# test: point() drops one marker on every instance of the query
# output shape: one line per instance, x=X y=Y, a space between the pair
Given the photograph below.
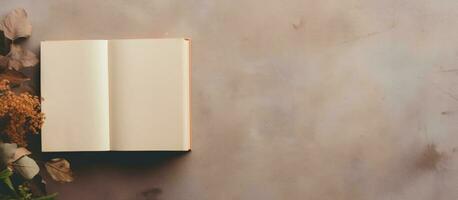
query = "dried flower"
x=19 y=114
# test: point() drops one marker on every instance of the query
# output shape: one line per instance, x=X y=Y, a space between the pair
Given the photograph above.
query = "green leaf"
x=6 y=173
x=47 y=197
x=5 y=177
x=24 y=192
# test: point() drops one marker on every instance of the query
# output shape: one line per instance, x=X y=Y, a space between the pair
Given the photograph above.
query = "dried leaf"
x=26 y=167
x=13 y=76
x=20 y=152
x=16 y=25
x=59 y=169
x=26 y=57
x=23 y=88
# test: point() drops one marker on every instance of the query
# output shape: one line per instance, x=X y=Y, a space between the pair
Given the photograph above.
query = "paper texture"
x=148 y=91
x=74 y=85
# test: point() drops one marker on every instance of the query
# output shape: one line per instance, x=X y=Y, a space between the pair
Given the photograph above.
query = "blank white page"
x=74 y=85
x=149 y=94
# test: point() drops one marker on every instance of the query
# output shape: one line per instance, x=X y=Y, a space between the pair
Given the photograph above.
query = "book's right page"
x=149 y=95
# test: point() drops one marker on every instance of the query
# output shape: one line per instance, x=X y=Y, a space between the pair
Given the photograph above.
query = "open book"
x=116 y=95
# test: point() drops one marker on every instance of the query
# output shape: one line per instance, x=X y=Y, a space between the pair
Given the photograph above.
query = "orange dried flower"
x=19 y=115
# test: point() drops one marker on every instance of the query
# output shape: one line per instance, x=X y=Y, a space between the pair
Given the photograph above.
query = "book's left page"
x=74 y=85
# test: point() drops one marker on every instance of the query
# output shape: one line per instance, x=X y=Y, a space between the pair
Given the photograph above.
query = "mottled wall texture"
x=299 y=99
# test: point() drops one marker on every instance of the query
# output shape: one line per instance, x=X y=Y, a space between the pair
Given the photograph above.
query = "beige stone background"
x=295 y=99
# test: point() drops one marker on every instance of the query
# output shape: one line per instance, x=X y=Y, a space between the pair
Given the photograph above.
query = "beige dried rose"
x=26 y=167
x=16 y=24
x=20 y=57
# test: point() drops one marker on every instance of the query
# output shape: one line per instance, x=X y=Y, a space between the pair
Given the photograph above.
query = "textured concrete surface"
x=295 y=99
